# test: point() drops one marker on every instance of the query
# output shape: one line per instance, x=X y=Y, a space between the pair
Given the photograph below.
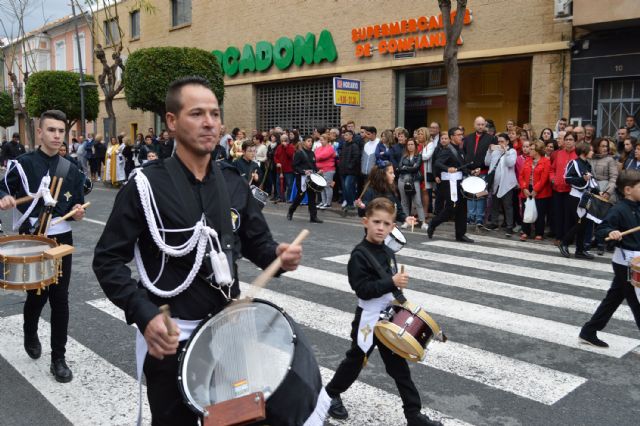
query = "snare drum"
x=30 y=261
x=250 y=347
x=259 y=195
x=634 y=272
x=474 y=187
x=395 y=240
x=316 y=182
x=407 y=329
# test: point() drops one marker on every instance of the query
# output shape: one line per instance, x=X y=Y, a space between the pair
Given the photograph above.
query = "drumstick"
x=627 y=232
x=402 y=269
x=42 y=217
x=166 y=316
x=261 y=280
x=412 y=225
x=366 y=186
x=50 y=214
x=24 y=199
x=68 y=215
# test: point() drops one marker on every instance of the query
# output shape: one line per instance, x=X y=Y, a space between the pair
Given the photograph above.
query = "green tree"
x=150 y=71
x=7 y=113
x=61 y=90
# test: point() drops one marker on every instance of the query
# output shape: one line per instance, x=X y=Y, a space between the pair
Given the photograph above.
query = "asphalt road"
x=511 y=310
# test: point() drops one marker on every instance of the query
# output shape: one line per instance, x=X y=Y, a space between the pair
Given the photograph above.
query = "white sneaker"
x=404 y=225
x=344 y=203
x=425 y=226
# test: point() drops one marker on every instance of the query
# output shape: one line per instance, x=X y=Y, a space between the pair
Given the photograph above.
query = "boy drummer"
x=374 y=294
x=622 y=216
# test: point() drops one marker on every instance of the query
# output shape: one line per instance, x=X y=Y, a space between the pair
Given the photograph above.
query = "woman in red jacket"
x=284 y=165
x=535 y=182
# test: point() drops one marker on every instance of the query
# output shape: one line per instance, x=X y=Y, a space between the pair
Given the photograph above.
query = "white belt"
x=370 y=314
x=58 y=228
x=186 y=329
x=453 y=187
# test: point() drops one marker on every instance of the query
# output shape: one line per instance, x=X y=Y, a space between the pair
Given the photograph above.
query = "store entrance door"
x=616 y=98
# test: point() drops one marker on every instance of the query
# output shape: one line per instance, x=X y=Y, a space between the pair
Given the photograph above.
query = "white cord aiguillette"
x=42 y=192
x=200 y=237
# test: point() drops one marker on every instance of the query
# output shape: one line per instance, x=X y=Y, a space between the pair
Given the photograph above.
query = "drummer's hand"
x=7 y=202
x=159 y=342
x=476 y=172
x=587 y=177
x=438 y=180
x=615 y=235
x=411 y=221
x=401 y=280
x=289 y=255
x=255 y=177
x=80 y=213
x=605 y=195
x=452 y=170
x=359 y=204
x=307 y=172
x=278 y=165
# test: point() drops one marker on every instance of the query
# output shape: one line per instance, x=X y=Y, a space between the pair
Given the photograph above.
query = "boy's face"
x=151 y=156
x=632 y=192
x=378 y=225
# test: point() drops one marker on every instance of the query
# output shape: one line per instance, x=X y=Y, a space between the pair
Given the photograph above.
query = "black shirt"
x=36 y=164
x=624 y=215
x=363 y=278
x=304 y=159
x=246 y=169
x=127 y=224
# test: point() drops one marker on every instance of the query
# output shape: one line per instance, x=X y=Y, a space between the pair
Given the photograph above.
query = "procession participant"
x=187 y=189
x=114 y=162
x=248 y=168
x=476 y=146
x=36 y=168
x=449 y=167
x=375 y=286
x=623 y=216
x=304 y=163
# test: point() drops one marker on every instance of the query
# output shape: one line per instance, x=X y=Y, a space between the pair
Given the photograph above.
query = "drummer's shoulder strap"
x=63 y=167
x=373 y=262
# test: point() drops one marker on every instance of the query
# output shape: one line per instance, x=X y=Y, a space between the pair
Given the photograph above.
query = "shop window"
x=616 y=99
x=135 y=24
x=302 y=104
x=496 y=90
x=180 y=12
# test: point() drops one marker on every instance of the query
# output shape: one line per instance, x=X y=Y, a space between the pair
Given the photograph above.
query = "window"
x=180 y=12
x=135 y=24
x=61 y=56
x=111 y=32
x=302 y=104
x=76 y=63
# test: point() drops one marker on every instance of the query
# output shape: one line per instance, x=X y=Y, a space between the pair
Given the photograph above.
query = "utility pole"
x=82 y=123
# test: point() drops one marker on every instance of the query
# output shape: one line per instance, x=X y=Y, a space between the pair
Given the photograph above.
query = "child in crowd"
x=374 y=295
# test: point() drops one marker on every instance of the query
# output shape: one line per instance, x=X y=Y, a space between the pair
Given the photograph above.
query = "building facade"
x=280 y=60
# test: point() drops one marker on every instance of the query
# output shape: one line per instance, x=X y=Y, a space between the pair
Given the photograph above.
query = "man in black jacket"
x=12 y=149
x=349 y=168
x=304 y=163
x=476 y=145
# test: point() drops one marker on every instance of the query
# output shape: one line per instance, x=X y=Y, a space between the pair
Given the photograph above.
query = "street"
x=512 y=311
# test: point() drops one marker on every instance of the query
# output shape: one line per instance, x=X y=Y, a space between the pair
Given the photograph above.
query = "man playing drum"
x=188 y=198
x=30 y=169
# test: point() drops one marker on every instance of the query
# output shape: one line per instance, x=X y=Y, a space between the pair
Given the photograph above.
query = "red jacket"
x=285 y=157
x=541 y=181
x=558 y=166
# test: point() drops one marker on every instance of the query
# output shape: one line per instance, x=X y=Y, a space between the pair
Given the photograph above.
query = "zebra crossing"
x=481 y=294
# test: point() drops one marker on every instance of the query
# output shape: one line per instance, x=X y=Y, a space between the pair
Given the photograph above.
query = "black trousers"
x=396 y=366
x=579 y=225
x=459 y=209
x=564 y=216
x=165 y=400
x=313 y=210
x=58 y=297
x=620 y=290
x=542 y=206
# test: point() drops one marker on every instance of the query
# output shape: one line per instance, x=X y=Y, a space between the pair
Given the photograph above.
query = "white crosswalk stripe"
x=522 y=245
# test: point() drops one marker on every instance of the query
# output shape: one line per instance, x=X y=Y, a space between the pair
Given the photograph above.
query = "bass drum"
x=474 y=187
x=251 y=347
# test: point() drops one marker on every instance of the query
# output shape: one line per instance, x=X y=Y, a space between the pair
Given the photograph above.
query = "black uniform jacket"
x=624 y=215
x=36 y=164
x=127 y=224
x=363 y=278
x=304 y=160
x=477 y=155
x=446 y=157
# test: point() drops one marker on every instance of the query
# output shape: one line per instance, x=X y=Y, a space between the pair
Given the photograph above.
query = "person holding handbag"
x=535 y=183
x=501 y=181
x=409 y=182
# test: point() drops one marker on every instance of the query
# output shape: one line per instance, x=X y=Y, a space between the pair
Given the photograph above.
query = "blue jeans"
x=476 y=209
x=349 y=189
x=288 y=182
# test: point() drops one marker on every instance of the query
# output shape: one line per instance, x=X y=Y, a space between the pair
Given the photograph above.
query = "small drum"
x=251 y=347
x=474 y=187
x=316 y=182
x=634 y=272
x=30 y=262
x=395 y=240
x=597 y=207
x=407 y=329
x=259 y=194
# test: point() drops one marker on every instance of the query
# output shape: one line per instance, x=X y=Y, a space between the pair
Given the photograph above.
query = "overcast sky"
x=39 y=13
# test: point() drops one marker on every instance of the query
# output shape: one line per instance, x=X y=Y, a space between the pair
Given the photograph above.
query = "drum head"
x=317 y=179
x=408 y=348
x=473 y=185
x=23 y=247
x=399 y=236
x=246 y=348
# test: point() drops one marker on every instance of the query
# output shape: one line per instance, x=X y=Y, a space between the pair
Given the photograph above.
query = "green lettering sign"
x=284 y=52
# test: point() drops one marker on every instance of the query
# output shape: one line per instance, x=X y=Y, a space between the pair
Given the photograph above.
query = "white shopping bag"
x=530 y=211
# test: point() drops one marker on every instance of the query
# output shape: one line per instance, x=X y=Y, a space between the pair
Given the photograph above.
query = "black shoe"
x=430 y=231
x=508 y=232
x=289 y=216
x=564 y=250
x=592 y=339
x=490 y=227
x=464 y=239
x=315 y=220
x=337 y=410
x=420 y=419
x=32 y=346
x=584 y=255
x=60 y=370
x=600 y=251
